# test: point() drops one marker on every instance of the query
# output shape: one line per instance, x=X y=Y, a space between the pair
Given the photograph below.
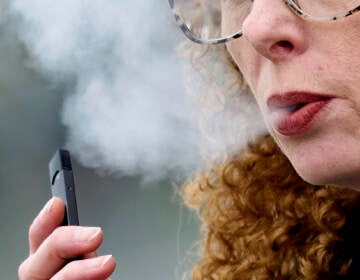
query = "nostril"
x=285 y=44
x=282 y=47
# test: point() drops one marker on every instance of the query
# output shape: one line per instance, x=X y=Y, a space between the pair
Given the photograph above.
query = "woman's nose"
x=274 y=30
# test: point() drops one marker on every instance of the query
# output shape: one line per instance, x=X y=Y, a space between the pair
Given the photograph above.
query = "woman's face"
x=305 y=76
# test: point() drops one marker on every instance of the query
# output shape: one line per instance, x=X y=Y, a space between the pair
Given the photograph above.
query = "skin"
x=51 y=247
x=281 y=52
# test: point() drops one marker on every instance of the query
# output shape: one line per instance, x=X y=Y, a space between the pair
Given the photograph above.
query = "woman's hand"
x=51 y=248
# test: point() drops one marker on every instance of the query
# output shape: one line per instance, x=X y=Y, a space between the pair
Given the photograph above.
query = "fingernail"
x=86 y=234
x=47 y=207
x=105 y=260
x=99 y=261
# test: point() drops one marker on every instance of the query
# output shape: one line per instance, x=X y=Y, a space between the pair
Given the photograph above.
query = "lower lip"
x=302 y=119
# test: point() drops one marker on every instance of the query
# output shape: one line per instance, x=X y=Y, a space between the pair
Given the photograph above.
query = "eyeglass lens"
x=214 y=19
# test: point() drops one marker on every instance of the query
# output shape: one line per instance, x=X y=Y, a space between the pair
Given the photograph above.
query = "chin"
x=322 y=161
x=312 y=177
x=330 y=176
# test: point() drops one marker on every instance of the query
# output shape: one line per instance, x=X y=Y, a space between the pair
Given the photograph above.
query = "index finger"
x=49 y=218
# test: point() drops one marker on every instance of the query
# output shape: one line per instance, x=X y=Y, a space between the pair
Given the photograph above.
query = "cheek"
x=340 y=48
x=248 y=63
x=246 y=60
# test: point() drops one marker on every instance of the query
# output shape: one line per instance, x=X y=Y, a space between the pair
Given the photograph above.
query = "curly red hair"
x=260 y=220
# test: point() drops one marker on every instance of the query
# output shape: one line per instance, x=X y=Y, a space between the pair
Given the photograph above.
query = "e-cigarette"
x=62 y=185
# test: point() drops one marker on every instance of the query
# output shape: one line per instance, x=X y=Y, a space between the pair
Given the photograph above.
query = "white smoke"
x=127 y=113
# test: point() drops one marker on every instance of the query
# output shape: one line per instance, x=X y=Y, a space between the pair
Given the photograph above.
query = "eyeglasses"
x=219 y=21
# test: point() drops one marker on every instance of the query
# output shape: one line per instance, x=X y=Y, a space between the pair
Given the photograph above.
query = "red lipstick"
x=296 y=111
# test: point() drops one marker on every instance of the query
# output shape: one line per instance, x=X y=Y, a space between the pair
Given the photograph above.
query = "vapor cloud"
x=126 y=112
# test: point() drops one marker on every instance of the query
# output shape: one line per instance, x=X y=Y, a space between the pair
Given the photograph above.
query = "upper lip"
x=292 y=98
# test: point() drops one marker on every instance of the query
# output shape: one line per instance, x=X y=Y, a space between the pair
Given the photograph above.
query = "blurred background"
x=146 y=227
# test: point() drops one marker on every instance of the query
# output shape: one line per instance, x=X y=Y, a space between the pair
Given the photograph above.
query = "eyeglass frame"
x=290 y=3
